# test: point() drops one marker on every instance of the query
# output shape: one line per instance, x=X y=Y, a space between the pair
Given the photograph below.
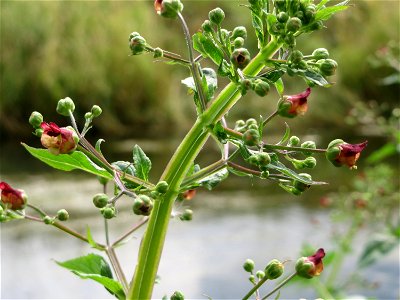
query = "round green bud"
x=238 y=42
x=96 y=110
x=251 y=121
x=62 y=215
x=301 y=186
x=261 y=87
x=248 y=265
x=132 y=35
x=264 y=174
x=161 y=187
x=327 y=66
x=252 y=279
x=282 y=17
x=88 y=115
x=64 y=106
x=168 y=8
x=216 y=16
x=320 y=53
x=294 y=141
x=310 y=162
x=296 y=57
x=290 y=41
x=253 y=126
x=299 y=15
x=253 y=160
x=177 y=295
x=309 y=13
x=108 y=212
x=138 y=45
x=260 y=274
x=293 y=24
x=38 y=132
x=240 y=58
x=245 y=85
x=251 y=137
x=239 y=31
x=303 y=65
x=35 y=119
x=316 y=26
x=308 y=145
x=158 y=53
x=100 y=200
x=48 y=220
x=187 y=215
x=207 y=27
x=264 y=159
x=142 y=205
x=274 y=269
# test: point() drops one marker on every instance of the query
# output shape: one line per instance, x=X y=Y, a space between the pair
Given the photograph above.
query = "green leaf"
x=142 y=163
x=377 y=248
x=315 y=77
x=219 y=132
x=280 y=88
x=273 y=75
x=278 y=166
x=206 y=47
x=239 y=173
x=285 y=136
x=95 y=267
x=214 y=179
x=257 y=24
x=210 y=82
x=91 y=240
x=327 y=12
x=68 y=162
x=383 y=152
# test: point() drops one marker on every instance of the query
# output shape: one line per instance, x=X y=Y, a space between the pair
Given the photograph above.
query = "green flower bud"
x=301 y=186
x=274 y=269
x=253 y=126
x=96 y=110
x=293 y=24
x=142 y=205
x=88 y=115
x=48 y=220
x=168 y=8
x=261 y=87
x=207 y=27
x=239 y=31
x=161 y=187
x=296 y=57
x=309 y=13
x=308 y=145
x=132 y=35
x=240 y=126
x=290 y=41
x=238 y=42
x=264 y=174
x=260 y=274
x=187 y=215
x=294 y=141
x=64 y=106
x=251 y=121
x=310 y=162
x=100 y=200
x=35 y=119
x=62 y=215
x=299 y=15
x=327 y=66
x=138 y=45
x=253 y=160
x=177 y=295
x=282 y=17
x=245 y=85
x=102 y=180
x=38 y=132
x=252 y=279
x=108 y=212
x=320 y=53
x=264 y=158
x=216 y=16
x=280 y=5
x=248 y=265
x=240 y=58
x=251 y=137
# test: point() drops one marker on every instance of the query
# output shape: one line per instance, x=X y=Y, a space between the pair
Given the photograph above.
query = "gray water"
x=201 y=257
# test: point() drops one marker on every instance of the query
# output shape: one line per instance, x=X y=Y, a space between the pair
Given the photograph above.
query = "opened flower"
x=14 y=199
x=58 y=140
x=291 y=106
x=340 y=153
x=310 y=266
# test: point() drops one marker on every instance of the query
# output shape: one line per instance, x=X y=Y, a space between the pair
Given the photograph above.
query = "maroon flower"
x=12 y=198
x=310 y=266
x=291 y=106
x=58 y=140
x=158 y=6
x=340 y=153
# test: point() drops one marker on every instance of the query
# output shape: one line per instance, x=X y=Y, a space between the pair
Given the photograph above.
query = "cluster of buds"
x=137 y=43
x=261 y=160
x=107 y=209
x=340 y=153
x=250 y=130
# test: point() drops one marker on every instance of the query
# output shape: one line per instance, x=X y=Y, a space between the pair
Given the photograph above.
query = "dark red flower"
x=341 y=153
x=294 y=105
x=58 y=140
x=14 y=199
x=310 y=266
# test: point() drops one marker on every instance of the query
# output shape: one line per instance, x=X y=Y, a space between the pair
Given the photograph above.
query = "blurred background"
x=54 y=49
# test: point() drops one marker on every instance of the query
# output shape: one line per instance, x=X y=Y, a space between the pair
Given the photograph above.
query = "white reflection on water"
x=200 y=257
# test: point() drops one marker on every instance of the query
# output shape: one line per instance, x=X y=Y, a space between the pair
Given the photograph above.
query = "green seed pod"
x=207 y=27
x=96 y=110
x=64 y=106
x=132 y=35
x=248 y=265
x=310 y=162
x=294 y=141
x=187 y=215
x=251 y=137
x=238 y=42
x=261 y=87
x=301 y=186
x=108 y=212
x=327 y=66
x=239 y=31
x=260 y=274
x=282 y=17
x=161 y=187
x=177 y=295
x=216 y=16
x=100 y=200
x=293 y=24
x=264 y=159
x=240 y=58
x=274 y=269
x=62 y=215
x=245 y=85
x=48 y=220
x=35 y=119
x=138 y=45
x=158 y=53
x=296 y=57
x=320 y=53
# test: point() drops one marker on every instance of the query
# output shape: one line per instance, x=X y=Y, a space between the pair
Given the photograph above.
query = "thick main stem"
x=154 y=237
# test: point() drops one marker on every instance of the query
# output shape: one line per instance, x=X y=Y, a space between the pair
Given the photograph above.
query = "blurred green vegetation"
x=54 y=49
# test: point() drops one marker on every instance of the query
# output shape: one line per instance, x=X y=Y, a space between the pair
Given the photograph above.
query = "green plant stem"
x=270 y=117
x=255 y=288
x=322 y=289
x=117 y=268
x=279 y=286
x=154 y=236
x=296 y=149
x=172 y=56
x=206 y=171
x=133 y=229
x=244 y=169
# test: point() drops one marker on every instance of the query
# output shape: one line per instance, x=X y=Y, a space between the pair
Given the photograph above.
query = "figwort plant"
x=244 y=149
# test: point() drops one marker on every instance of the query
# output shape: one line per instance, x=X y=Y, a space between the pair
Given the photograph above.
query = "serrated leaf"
x=326 y=13
x=142 y=163
x=206 y=47
x=68 y=162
